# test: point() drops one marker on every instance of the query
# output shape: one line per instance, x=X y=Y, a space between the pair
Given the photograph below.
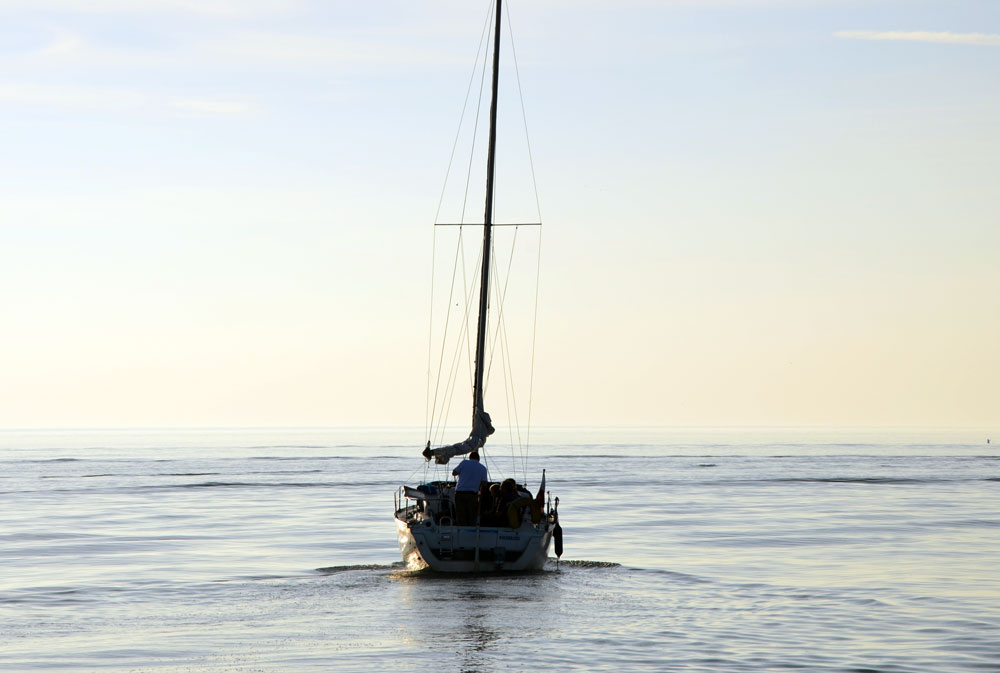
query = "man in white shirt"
x=470 y=473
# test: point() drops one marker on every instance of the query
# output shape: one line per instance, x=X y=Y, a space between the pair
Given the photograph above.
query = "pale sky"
x=757 y=212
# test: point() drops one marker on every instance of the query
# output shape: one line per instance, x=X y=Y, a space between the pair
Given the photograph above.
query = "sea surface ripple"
x=686 y=550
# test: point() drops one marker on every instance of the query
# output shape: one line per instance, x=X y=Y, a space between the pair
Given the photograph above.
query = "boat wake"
x=588 y=565
x=333 y=570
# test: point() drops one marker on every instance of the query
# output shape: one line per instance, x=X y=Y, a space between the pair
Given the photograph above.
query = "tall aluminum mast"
x=484 y=284
x=482 y=425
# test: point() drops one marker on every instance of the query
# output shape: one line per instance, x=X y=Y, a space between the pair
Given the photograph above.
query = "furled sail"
x=482 y=427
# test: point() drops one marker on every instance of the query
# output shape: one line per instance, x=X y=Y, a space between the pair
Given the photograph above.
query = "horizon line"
x=611 y=426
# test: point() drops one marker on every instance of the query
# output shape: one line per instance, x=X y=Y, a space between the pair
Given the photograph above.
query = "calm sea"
x=686 y=550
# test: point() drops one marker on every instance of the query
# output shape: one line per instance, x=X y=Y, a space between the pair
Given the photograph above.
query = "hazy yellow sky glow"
x=756 y=213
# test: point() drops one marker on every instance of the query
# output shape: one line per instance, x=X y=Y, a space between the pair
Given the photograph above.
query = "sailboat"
x=517 y=535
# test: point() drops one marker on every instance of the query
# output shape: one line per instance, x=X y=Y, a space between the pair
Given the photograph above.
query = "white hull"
x=470 y=549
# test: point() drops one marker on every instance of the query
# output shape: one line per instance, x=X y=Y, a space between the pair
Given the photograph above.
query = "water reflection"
x=472 y=619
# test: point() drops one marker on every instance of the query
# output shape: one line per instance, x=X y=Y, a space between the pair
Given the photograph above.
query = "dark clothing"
x=486 y=503
x=466 y=506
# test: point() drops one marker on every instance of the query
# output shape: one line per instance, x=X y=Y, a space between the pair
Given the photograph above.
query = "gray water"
x=686 y=550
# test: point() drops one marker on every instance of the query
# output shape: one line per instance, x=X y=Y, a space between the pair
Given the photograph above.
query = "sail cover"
x=482 y=427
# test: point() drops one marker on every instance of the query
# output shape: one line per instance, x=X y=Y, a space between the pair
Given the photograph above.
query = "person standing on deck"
x=471 y=473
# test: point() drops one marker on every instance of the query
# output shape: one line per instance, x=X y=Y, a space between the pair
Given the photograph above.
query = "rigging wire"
x=475 y=127
x=534 y=339
x=430 y=341
x=437 y=417
x=450 y=385
x=453 y=370
x=451 y=294
x=538 y=210
x=524 y=115
x=505 y=349
x=465 y=198
x=465 y=105
x=501 y=341
x=507 y=365
x=429 y=417
x=501 y=299
x=470 y=287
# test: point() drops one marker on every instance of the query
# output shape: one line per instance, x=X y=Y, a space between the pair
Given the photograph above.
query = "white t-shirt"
x=471 y=473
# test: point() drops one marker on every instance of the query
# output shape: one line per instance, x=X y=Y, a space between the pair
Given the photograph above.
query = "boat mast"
x=484 y=285
x=482 y=425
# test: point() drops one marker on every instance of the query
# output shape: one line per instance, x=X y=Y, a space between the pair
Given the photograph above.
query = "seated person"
x=509 y=506
x=486 y=504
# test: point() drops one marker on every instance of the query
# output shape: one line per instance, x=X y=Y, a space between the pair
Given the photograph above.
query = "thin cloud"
x=48 y=95
x=227 y=8
x=307 y=51
x=116 y=100
x=211 y=108
x=977 y=39
x=234 y=50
